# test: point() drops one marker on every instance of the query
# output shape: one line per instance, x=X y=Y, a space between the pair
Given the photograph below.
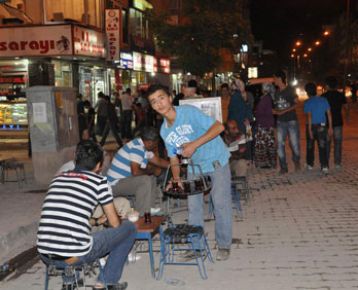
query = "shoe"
x=191 y=255
x=325 y=170
x=309 y=167
x=119 y=286
x=338 y=166
x=283 y=171
x=223 y=254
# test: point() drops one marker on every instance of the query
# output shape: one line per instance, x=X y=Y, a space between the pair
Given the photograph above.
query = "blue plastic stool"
x=173 y=241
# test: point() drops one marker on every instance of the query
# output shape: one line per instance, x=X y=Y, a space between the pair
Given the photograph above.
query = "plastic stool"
x=241 y=184
x=68 y=271
x=183 y=237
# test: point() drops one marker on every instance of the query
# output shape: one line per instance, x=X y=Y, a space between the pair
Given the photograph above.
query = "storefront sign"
x=12 y=80
x=149 y=63
x=88 y=42
x=36 y=41
x=137 y=61
x=113 y=25
x=164 y=65
x=126 y=60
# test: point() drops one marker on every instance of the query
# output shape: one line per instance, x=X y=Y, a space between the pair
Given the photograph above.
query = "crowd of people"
x=252 y=132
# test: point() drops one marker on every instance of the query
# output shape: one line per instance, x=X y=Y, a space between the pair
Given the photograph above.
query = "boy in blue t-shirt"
x=197 y=136
x=316 y=109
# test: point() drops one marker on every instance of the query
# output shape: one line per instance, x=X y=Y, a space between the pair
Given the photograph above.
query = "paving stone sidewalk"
x=299 y=232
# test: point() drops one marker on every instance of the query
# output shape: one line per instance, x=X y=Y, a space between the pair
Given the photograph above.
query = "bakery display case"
x=13 y=115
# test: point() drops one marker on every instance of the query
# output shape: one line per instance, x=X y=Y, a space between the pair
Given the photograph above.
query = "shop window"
x=63 y=74
x=139 y=25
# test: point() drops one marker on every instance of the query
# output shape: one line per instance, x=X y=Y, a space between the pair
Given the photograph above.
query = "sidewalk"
x=299 y=232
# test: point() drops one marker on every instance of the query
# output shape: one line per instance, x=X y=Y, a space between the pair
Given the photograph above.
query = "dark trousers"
x=113 y=127
x=320 y=135
x=127 y=123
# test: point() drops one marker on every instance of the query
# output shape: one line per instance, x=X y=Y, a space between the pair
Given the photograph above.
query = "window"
x=88 y=12
x=125 y=25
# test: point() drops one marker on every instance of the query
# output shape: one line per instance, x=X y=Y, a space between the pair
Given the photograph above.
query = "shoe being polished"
x=223 y=254
x=191 y=255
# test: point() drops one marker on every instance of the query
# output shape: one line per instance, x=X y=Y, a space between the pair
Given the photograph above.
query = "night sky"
x=280 y=22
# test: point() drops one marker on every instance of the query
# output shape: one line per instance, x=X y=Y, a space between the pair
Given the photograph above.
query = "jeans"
x=116 y=242
x=292 y=129
x=337 y=141
x=320 y=135
x=221 y=197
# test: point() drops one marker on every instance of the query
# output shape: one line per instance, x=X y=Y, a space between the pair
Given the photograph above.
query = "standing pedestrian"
x=285 y=103
x=265 y=144
x=316 y=108
x=197 y=134
x=336 y=101
x=127 y=106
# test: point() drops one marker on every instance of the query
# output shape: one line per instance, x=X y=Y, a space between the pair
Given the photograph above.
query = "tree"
x=206 y=27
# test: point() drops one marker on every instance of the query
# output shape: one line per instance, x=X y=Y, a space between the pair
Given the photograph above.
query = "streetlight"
x=298 y=43
x=309 y=49
x=326 y=33
x=317 y=43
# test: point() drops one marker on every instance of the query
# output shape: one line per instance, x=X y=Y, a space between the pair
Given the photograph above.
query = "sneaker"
x=325 y=170
x=309 y=167
x=338 y=166
x=223 y=254
x=191 y=255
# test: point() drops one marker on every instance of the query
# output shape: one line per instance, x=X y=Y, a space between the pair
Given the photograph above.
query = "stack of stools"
x=184 y=238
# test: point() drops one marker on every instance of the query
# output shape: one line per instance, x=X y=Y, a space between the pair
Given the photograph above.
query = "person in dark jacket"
x=112 y=124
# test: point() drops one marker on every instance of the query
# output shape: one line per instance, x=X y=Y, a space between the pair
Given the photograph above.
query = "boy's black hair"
x=311 y=89
x=157 y=87
x=88 y=155
x=192 y=84
x=150 y=134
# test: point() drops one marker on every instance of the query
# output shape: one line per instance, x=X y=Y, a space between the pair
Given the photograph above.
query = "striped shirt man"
x=133 y=151
x=64 y=228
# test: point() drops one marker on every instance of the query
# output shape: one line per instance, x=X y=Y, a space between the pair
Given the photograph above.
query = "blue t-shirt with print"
x=191 y=123
x=318 y=107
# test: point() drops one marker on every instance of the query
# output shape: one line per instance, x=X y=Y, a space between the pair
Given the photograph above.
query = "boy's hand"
x=310 y=133
x=188 y=149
